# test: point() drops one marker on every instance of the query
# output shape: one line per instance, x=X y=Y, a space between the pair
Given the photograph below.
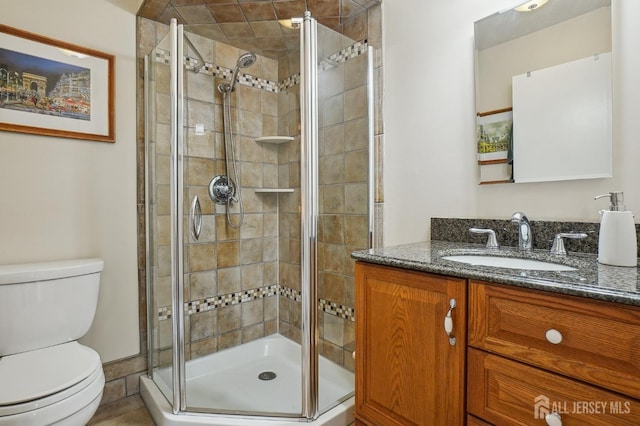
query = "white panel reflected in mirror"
x=563 y=116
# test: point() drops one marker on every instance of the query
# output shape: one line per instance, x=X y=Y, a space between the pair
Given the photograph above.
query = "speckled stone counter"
x=590 y=279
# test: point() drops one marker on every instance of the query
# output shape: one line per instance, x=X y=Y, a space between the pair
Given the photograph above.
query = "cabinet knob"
x=448 y=322
x=553 y=419
x=553 y=336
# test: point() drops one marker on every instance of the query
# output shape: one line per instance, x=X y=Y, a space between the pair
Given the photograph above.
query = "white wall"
x=429 y=115
x=63 y=198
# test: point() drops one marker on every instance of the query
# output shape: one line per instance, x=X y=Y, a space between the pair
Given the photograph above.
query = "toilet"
x=46 y=376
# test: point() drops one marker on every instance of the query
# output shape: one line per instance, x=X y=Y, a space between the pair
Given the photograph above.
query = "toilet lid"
x=36 y=374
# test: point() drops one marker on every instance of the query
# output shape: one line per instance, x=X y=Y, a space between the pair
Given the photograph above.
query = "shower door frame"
x=309 y=213
x=309 y=221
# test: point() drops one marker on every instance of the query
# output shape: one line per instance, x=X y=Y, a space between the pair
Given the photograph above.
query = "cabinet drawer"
x=600 y=341
x=505 y=392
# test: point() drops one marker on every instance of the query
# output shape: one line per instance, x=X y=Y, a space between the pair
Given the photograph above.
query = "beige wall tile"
x=228 y=280
x=252 y=276
x=202 y=257
x=355 y=103
x=228 y=254
x=203 y=325
x=356 y=164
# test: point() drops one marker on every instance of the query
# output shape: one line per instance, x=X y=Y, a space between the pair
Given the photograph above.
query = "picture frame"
x=53 y=88
x=494 y=135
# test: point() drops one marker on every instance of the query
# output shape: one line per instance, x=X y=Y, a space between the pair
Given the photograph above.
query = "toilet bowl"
x=46 y=377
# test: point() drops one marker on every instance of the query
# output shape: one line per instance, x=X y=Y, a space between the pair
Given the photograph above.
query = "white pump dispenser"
x=617 y=244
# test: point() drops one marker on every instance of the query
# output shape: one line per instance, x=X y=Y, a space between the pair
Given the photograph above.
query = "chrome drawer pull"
x=553 y=336
x=553 y=419
x=448 y=322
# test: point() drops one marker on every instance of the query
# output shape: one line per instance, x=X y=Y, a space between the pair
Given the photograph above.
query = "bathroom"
x=89 y=204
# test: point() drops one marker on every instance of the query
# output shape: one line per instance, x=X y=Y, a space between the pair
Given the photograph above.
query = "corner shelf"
x=273 y=190
x=274 y=139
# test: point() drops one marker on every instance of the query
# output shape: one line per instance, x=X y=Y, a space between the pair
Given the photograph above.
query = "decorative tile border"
x=210 y=303
x=356 y=49
x=337 y=310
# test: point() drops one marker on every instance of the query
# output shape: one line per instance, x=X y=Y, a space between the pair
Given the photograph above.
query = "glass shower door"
x=158 y=215
x=344 y=70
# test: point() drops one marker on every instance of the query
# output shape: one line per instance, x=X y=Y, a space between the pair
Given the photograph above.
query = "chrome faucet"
x=525 y=238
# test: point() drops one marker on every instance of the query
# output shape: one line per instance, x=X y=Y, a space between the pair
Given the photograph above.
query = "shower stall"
x=259 y=185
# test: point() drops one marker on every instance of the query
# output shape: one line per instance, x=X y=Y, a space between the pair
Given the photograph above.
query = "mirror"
x=543 y=92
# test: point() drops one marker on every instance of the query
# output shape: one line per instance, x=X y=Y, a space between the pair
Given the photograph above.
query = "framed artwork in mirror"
x=53 y=88
x=494 y=139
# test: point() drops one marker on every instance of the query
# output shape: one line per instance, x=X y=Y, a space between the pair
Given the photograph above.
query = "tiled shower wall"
x=343 y=194
x=230 y=273
x=122 y=375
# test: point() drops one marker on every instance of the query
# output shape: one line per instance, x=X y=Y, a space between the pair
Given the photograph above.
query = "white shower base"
x=228 y=380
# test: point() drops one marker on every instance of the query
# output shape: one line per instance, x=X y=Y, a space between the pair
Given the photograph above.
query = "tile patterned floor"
x=129 y=411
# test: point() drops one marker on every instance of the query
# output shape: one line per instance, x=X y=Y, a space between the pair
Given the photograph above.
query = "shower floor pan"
x=262 y=376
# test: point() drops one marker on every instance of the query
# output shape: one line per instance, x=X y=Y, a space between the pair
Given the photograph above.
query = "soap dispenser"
x=617 y=243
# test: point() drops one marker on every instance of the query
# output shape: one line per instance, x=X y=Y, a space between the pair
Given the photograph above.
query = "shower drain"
x=267 y=375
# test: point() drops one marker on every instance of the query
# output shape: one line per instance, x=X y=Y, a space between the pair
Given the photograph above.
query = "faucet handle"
x=492 y=241
x=558 y=242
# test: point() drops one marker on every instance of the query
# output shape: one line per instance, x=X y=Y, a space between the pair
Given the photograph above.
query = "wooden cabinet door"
x=407 y=372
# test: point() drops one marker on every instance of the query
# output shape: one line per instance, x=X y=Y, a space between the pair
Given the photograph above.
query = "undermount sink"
x=509 y=262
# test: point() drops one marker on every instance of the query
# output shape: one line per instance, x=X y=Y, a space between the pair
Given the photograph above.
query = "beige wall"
x=430 y=168
x=581 y=37
x=63 y=198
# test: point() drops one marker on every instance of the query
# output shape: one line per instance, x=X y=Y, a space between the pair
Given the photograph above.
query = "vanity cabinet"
x=408 y=370
x=521 y=356
x=532 y=353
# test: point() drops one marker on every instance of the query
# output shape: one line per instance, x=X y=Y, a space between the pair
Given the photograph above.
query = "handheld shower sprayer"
x=244 y=61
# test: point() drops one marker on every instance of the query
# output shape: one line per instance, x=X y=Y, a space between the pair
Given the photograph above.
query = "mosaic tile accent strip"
x=164 y=313
x=210 y=303
x=337 y=310
x=163 y=56
x=290 y=293
x=334 y=60
x=356 y=49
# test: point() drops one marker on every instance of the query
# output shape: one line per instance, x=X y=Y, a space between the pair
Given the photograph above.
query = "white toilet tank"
x=45 y=304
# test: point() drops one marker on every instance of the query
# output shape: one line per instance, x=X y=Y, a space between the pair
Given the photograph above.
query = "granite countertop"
x=590 y=279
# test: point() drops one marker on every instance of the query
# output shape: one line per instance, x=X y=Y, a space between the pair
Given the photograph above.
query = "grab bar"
x=196 y=218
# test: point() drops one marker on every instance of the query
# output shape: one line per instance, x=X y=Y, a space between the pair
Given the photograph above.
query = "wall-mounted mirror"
x=543 y=92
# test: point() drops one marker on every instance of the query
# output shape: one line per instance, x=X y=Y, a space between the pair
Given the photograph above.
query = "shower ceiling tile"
x=227 y=12
x=168 y=14
x=258 y=11
x=324 y=8
x=195 y=14
x=273 y=43
x=266 y=29
x=289 y=9
x=186 y=2
x=350 y=8
x=152 y=9
x=209 y=31
x=234 y=30
x=333 y=23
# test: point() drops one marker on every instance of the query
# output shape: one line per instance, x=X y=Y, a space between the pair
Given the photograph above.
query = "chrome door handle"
x=196 y=218
x=448 y=322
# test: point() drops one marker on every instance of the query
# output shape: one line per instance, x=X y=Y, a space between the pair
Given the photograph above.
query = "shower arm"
x=200 y=58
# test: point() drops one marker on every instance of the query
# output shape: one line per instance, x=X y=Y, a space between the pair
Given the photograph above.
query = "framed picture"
x=494 y=135
x=49 y=87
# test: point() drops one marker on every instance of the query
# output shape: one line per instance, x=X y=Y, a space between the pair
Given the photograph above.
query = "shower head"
x=245 y=60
